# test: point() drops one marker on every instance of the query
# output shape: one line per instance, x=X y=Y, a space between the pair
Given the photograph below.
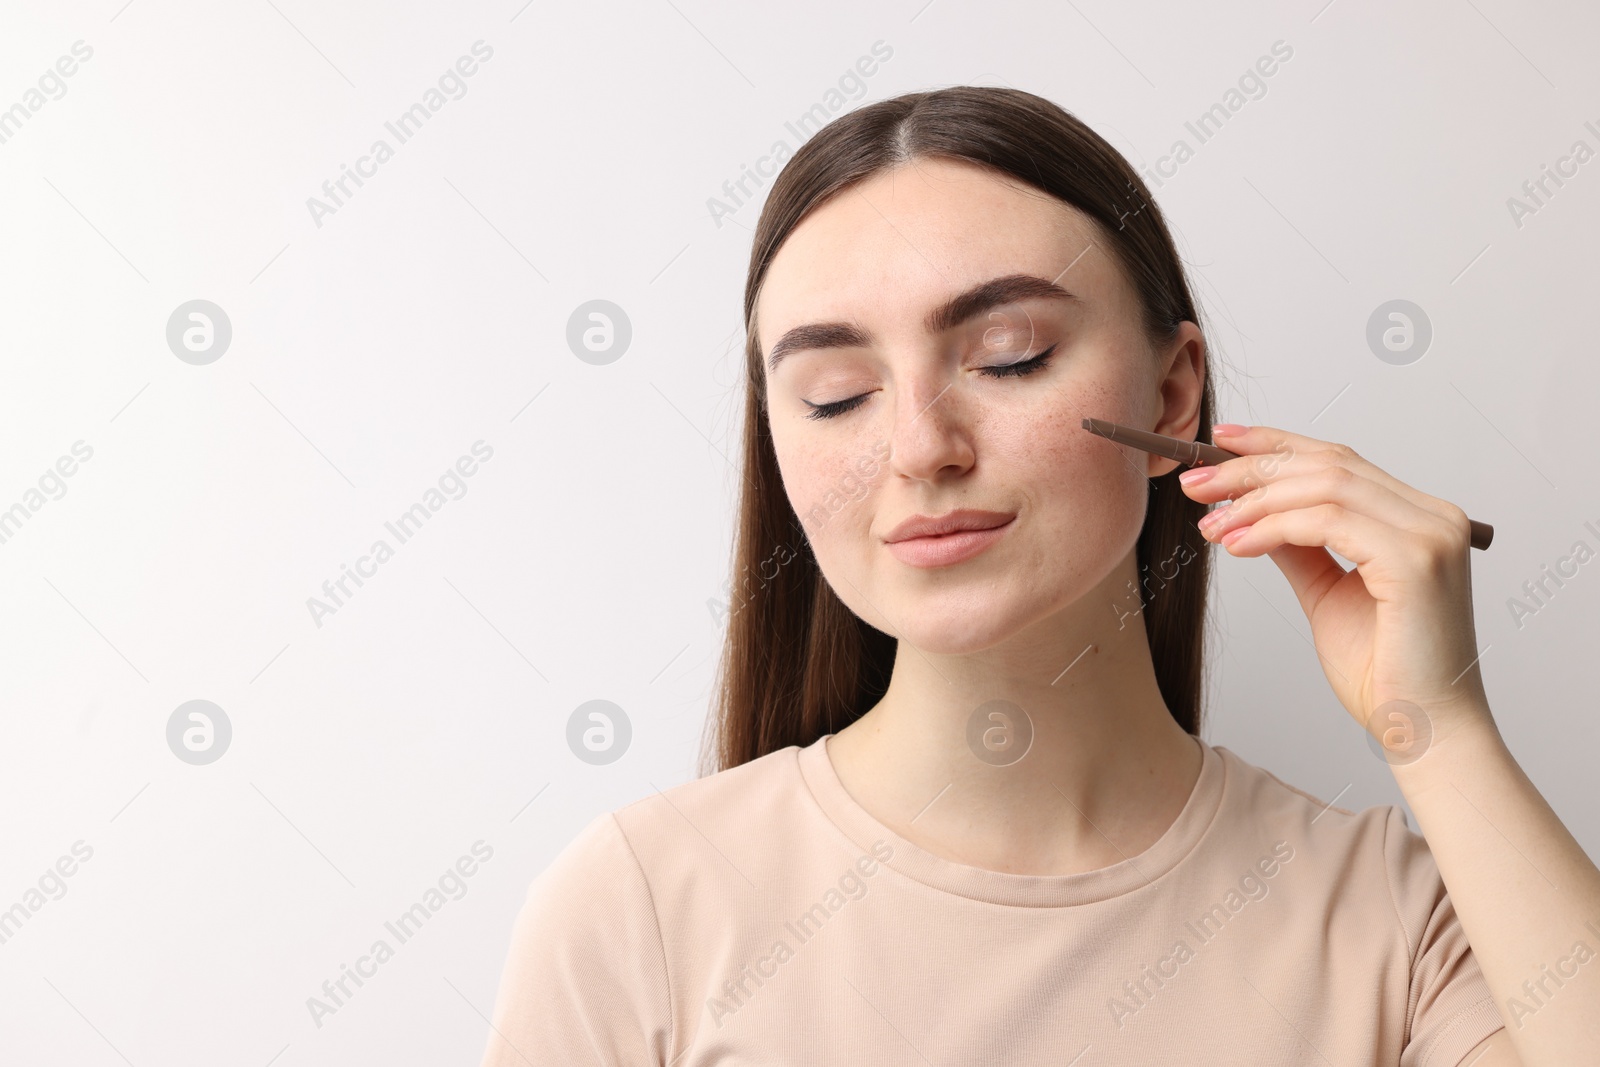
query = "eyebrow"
x=952 y=313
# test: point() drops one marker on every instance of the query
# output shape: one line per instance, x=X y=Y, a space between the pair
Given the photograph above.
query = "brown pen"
x=1198 y=454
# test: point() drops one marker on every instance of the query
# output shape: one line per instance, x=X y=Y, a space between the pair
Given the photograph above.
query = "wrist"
x=1465 y=742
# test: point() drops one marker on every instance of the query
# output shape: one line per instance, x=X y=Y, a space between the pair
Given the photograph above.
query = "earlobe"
x=1160 y=467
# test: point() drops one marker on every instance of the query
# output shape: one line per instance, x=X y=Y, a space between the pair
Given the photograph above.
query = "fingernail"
x=1227 y=429
x=1196 y=475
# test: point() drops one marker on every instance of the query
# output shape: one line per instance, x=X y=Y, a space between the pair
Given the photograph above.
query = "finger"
x=1267 y=452
x=1359 y=538
x=1328 y=484
x=1311 y=571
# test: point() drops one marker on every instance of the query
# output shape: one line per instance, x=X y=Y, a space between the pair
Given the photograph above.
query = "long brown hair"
x=798 y=664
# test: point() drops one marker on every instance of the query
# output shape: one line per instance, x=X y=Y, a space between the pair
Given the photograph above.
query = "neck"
x=945 y=759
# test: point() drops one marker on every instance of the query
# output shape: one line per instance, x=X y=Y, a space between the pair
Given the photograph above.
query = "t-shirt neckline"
x=1020 y=890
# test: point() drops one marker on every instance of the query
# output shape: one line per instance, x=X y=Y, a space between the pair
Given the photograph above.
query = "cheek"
x=1088 y=494
x=828 y=485
x=1055 y=444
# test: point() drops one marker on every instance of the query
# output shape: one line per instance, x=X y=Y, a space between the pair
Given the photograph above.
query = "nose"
x=932 y=439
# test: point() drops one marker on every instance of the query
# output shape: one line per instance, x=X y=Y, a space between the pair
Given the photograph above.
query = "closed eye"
x=1019 y=369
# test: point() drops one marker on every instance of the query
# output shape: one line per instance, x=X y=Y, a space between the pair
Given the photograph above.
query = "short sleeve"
x=1451 y=1008
x=585 y=980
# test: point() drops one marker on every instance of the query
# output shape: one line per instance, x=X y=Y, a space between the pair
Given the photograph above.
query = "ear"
x=1182 y=370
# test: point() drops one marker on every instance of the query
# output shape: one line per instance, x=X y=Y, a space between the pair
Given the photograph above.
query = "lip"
x=940 y=541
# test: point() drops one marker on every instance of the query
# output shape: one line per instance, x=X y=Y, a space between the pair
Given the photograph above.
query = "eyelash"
x=1020 y=369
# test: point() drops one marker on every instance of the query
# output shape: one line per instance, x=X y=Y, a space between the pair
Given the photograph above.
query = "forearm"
x=1527 y=896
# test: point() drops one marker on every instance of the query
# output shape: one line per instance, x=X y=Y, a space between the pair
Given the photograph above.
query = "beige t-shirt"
x=760 y=915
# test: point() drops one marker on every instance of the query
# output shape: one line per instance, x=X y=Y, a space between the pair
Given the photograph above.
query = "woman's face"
x=934 y=431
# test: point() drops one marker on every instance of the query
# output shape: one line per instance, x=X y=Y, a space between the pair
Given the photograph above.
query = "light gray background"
x=430 y=311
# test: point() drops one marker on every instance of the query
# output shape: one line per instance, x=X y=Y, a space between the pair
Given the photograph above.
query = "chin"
x=954 y=637
x=955 y=622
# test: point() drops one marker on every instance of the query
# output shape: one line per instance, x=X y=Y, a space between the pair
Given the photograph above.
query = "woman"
x=962 y=813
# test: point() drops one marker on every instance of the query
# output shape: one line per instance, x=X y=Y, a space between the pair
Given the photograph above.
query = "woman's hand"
x=1399 y=628
x=1396 y=628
